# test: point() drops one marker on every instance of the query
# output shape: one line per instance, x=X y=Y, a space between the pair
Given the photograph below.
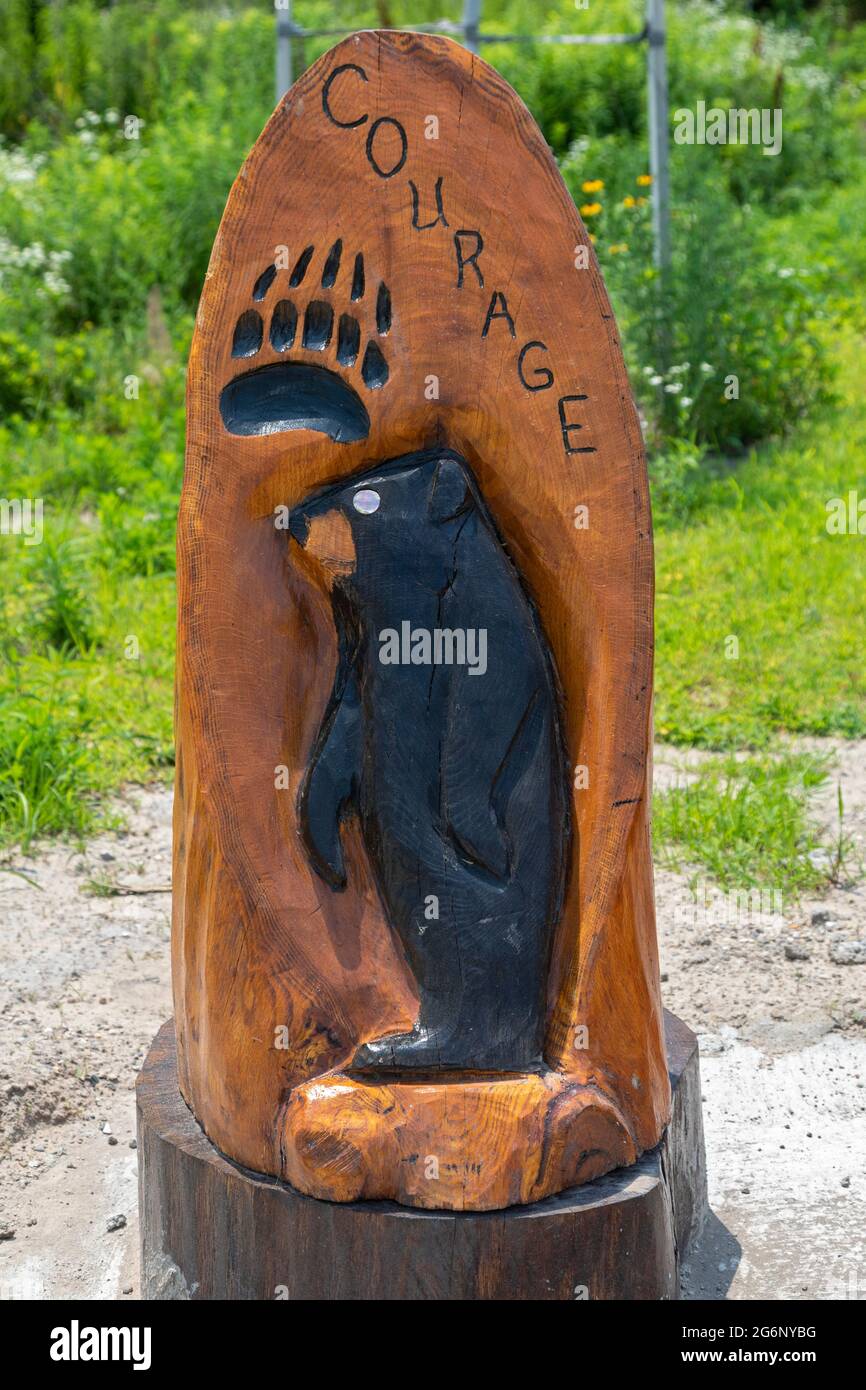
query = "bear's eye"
x=366 y=501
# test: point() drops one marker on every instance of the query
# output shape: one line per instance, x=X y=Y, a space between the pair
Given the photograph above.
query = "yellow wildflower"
x=618 y=249
x=641 y=202
x=629 y=202
x=644 y=180
x=593 y=185
x=590 y=210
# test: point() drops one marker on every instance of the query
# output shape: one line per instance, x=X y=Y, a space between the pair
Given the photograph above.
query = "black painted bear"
x=442 y=734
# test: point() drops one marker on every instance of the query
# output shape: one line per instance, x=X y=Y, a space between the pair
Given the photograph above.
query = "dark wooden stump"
x=211 y=1229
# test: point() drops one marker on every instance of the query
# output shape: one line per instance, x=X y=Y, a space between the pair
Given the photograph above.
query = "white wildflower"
x=55 y=284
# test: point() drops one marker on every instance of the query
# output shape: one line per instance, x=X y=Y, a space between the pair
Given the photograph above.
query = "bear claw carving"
x=296 y=394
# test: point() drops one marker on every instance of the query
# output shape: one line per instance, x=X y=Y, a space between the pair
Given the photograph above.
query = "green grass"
x=87 y=617
x=754 y=561
x=72 y=728
x=746 y=821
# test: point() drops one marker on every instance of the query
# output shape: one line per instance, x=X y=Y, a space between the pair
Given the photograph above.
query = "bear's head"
x=392 y=524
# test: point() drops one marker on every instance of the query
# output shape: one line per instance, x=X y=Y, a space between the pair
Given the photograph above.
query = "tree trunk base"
x=211 y=1229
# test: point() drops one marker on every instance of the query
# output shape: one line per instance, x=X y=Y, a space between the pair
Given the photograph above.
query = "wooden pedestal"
x=211 y=1229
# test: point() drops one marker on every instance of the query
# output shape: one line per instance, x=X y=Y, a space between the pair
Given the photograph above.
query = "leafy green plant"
x=49 y=769
x=135 y=541
x=676 y=474
x=728 y=347
x=747 y=822
x=62 y=614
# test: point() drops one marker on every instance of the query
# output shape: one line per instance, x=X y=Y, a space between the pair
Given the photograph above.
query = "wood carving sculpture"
x=455 y=769
x=414 y=938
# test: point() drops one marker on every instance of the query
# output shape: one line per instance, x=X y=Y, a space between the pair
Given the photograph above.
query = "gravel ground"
x=84 y=985
x=770 y=974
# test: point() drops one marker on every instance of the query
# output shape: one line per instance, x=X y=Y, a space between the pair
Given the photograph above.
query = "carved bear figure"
x=442 y=735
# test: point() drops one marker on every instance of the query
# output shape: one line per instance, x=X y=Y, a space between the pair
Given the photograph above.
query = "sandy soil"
x=84 y=984
x=741 y=961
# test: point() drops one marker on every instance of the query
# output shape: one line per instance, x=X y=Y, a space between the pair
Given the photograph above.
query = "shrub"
x=728 y=348
x=62 y=615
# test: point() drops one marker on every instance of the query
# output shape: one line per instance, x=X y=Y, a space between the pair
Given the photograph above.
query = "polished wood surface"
x=494 y=339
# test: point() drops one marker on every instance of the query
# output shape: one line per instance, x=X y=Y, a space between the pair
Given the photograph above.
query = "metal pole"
x=471 y=23
x=657 y=94
x=283 y=71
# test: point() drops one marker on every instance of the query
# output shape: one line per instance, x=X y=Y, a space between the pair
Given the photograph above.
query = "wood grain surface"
x=211 y=1229
x=498 y=344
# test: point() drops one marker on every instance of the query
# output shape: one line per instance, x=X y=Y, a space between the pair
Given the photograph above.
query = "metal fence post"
x=471 y=23
x=283 y=73
x=657 y=94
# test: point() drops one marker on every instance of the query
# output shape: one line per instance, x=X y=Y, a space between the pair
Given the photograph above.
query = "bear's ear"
x=450 y=492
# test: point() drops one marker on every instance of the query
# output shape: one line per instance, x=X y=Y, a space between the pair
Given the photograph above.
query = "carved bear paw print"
x=293 y=393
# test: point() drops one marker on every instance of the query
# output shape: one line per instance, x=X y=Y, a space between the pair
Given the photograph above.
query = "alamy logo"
x=76 y=1343
x=736 y=126
x=22 y=518
x=444 y=646
x=846 y=516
